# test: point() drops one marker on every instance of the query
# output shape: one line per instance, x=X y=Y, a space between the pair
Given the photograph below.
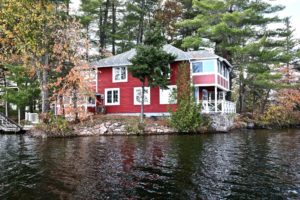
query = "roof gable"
x=123 y=58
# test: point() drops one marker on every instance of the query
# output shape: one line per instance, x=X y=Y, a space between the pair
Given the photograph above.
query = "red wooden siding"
x=204 y=79
x=126 y=92
x=223 y=82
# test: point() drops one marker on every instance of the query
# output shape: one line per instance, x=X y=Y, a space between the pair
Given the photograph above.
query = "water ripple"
x=247 y=165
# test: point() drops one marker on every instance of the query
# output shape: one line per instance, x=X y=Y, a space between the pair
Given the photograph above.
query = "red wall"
x=223 y=82
x=126 y=92
x=204 y=79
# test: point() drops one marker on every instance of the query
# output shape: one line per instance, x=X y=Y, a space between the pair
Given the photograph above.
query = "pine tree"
x=290 y=49
x=150 y=64
x=239 y=32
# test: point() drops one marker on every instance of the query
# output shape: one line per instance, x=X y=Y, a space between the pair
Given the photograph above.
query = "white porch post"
x=216 y=99
x=196 y=95
x=224 y=103
x=6 y=106
x=19 y=116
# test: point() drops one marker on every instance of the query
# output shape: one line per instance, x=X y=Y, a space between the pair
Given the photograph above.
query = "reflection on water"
x=249 y=165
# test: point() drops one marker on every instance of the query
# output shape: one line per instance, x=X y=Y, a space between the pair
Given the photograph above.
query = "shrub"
x=133 y=125
x=54 y=125
x=277 y=115
x=187 y=117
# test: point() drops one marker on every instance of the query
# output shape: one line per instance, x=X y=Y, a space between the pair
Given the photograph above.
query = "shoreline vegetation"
x=130 y=125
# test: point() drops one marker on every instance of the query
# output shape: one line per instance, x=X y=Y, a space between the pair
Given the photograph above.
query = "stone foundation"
x=222 y=122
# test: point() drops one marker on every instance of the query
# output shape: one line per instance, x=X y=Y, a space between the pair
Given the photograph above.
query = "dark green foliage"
x=150 y=65
x=239 y=31
x=27 y=91
x=187 y=117
x=151 y=62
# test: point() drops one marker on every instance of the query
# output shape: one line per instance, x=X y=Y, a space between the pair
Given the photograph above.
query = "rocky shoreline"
x=131 y=126
x=119 y=126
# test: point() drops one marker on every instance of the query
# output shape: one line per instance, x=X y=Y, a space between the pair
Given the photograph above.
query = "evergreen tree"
x=150 y=64
x=290 y=51
x=27 y=90
x=239 y=32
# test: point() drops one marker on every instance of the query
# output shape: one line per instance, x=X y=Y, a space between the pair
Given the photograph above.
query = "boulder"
x=102 y=129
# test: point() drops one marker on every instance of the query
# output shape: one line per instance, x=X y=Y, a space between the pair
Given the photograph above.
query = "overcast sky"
x=292 y=10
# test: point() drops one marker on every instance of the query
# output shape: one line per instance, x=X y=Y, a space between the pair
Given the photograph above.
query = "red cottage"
x=117 y=92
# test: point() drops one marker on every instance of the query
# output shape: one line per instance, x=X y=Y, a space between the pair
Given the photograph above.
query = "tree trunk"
x=87 y=43
x=43 y=77
x=113 y=27
x=264 y=103
x=62 y=105
x=45 y=91
x=75 y=99
x=100 y=26
x=142 y=104
x=141 y=23
x=68 y=7
x=103 y=29
x=241 y=94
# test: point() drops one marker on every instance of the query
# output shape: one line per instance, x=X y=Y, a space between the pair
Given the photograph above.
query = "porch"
x=218 y=106
x=213 y=100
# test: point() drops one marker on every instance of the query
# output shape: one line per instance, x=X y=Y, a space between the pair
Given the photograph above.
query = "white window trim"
x=171 y=87
x=135 y=92
x=203 y=73
x=105 y=96
x=113 y=74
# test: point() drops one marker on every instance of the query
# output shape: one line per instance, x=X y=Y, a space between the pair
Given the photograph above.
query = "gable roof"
x=204 y=54
x=123 y=58
x=201 y=54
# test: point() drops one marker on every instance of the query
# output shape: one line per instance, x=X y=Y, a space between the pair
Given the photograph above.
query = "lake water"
x=242 y=165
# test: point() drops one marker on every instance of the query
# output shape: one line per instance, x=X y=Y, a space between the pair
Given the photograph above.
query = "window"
x=204 y=66
x=112 y=96
x=119 y=74
x=219 y=67
x=168 y=96
x=209 y=66
x=138 y=96
x=197 y=67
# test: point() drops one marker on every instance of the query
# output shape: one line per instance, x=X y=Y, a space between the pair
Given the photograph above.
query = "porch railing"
x=32 y=117
x=222 y=106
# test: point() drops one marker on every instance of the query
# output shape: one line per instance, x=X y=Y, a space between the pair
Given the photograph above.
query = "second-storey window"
x=112 y=96
x=205 y=66
x=138 y=96
x=119 y=74
x=197 y=67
